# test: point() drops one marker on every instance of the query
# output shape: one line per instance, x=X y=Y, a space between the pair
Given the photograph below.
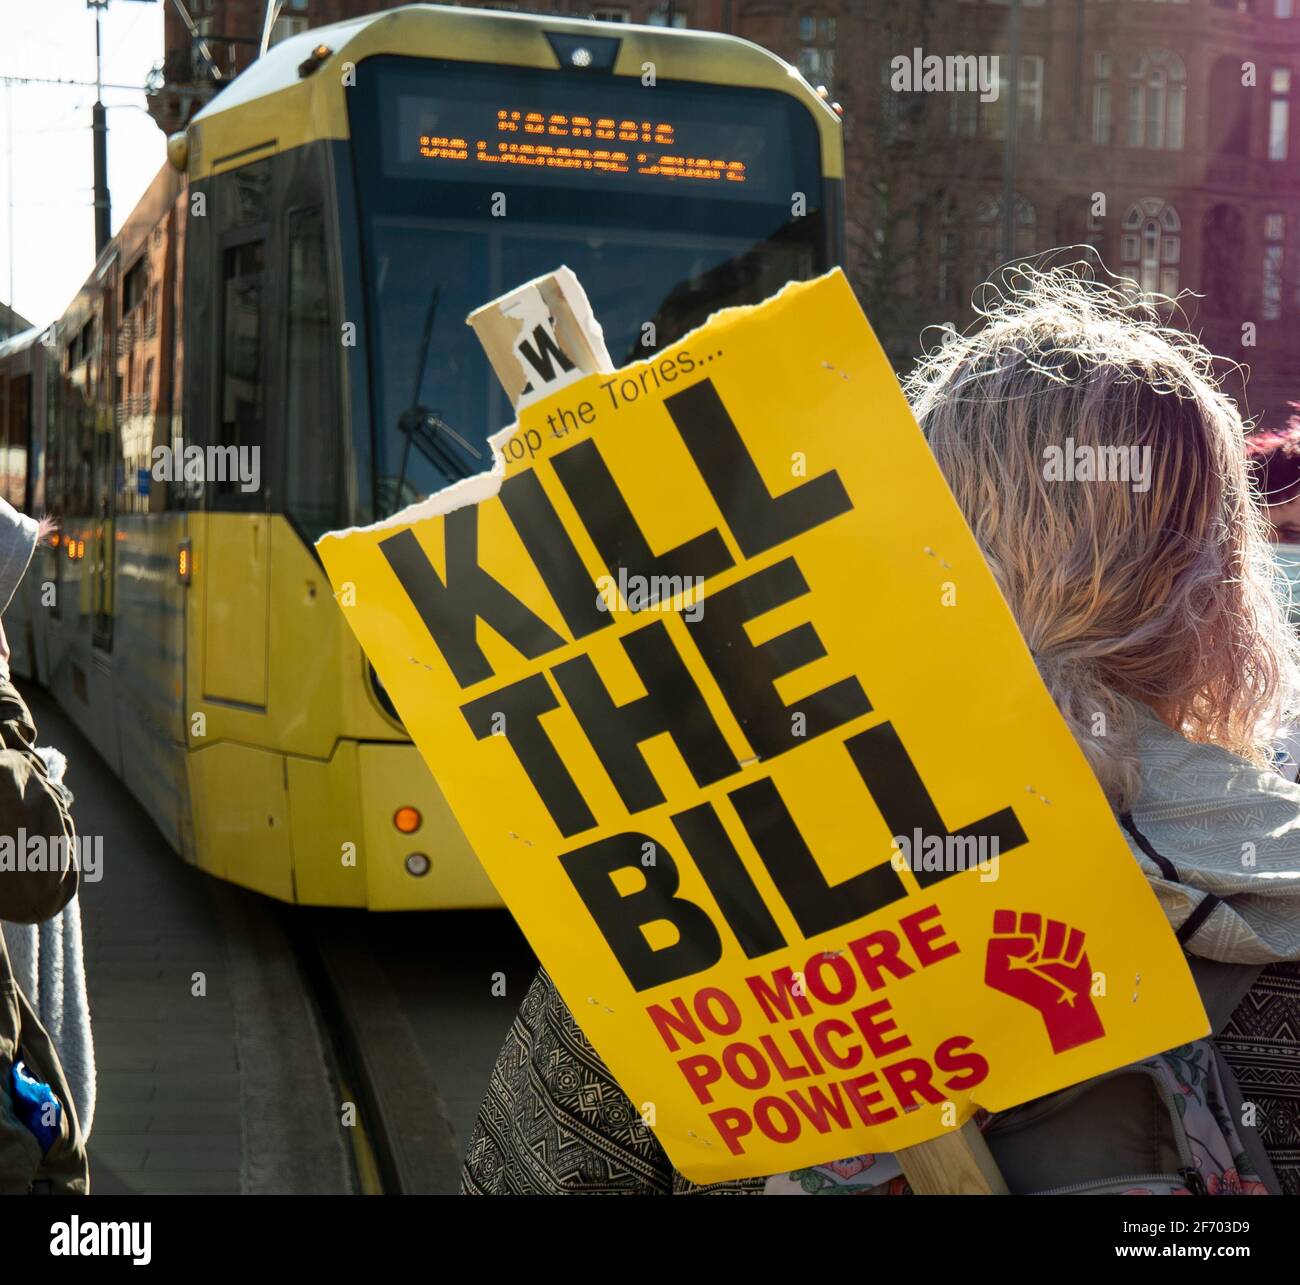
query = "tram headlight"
x=417 y=864
x=587 y=53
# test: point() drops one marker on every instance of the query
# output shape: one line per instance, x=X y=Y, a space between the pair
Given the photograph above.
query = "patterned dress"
x=1261 y=1043
x=554 y=1122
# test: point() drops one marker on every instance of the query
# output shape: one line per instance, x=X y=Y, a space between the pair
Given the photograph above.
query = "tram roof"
x=241 y=123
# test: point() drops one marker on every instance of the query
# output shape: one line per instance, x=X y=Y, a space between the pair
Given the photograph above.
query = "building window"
x=970 y=118
x=1283 y=8
x=949 y=252
x=1096 y=233
x=666 y=15
x=988 y=234
x=287 y=25
x=963 y=115
x=1101 y=99
x=1157 y=97
x=1030 y=103
x=134 y=284
x=612 y=15
x=1270 y=304
x=1151 y=246
x=1222 y=245
x=899 y=109
x=1279 y=113
x=817 y=49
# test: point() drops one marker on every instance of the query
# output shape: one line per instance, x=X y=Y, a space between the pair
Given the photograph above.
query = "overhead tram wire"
x=79 y=84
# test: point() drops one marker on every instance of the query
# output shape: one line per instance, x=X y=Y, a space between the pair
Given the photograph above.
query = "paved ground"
x=443 y=969
x=226 y=1091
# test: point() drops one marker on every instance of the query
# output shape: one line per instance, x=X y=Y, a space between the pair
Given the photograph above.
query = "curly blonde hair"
x=1162 y=596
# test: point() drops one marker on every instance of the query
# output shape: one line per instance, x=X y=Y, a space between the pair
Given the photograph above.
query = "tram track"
x=370 y=1151
x=400 y=1140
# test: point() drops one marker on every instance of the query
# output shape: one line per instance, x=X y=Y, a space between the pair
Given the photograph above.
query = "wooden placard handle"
x=957 y=1164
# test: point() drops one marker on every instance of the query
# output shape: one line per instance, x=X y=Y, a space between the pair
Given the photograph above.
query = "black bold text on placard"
x=746 y=673
x=552 y=551
x=757 y=519
x=620 y=918
x=520 y=707
x=672 y=704
x=613 y=527
x=451 y=611
x=904 y=801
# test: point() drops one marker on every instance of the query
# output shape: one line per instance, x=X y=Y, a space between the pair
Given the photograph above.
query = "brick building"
x=1164 y=134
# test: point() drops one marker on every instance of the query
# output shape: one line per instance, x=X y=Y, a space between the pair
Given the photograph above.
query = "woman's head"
x=1102 y=472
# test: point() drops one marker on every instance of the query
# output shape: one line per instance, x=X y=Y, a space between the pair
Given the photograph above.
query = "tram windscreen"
x=668 y=202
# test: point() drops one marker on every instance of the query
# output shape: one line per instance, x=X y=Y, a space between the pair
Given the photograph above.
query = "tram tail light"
x=407 y=820
x=183 y=562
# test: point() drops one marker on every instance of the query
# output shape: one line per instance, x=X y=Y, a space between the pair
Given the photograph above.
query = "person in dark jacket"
x=41 y=1146
x=1146 y=598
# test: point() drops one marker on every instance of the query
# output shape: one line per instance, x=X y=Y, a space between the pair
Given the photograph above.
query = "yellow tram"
x=274 y=345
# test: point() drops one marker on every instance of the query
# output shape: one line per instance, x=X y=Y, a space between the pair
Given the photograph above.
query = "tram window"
x=243 y=277
x=311 y=460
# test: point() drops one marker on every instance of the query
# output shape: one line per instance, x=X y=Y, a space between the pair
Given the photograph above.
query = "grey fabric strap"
x=1222 y=987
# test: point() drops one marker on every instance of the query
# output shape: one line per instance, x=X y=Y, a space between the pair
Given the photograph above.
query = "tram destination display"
x=608 y=135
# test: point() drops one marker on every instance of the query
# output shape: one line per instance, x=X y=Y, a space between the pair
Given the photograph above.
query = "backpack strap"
x=1201 y=912
x=1222 y=986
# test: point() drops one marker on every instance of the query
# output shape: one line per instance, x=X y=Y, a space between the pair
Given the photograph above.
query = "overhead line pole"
x=9 y=183
x=99 y=128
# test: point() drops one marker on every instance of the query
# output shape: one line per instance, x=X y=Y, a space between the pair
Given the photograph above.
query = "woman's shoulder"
x=1220 y=789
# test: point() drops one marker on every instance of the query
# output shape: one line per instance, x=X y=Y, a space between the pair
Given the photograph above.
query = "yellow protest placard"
x=727 y=702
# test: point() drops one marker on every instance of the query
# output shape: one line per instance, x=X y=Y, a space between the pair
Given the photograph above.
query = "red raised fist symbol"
x=1043 y=963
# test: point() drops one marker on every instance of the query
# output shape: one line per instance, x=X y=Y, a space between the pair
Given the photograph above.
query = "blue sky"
x=53 y=219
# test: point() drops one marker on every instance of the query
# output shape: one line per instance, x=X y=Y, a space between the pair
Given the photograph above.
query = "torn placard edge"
x=483 y=486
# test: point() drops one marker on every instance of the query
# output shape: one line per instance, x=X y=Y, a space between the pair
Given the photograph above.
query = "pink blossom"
x=854 y=1165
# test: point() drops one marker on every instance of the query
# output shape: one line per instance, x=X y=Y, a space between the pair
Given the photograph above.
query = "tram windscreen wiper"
x=438 y=442
x=423 y=427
